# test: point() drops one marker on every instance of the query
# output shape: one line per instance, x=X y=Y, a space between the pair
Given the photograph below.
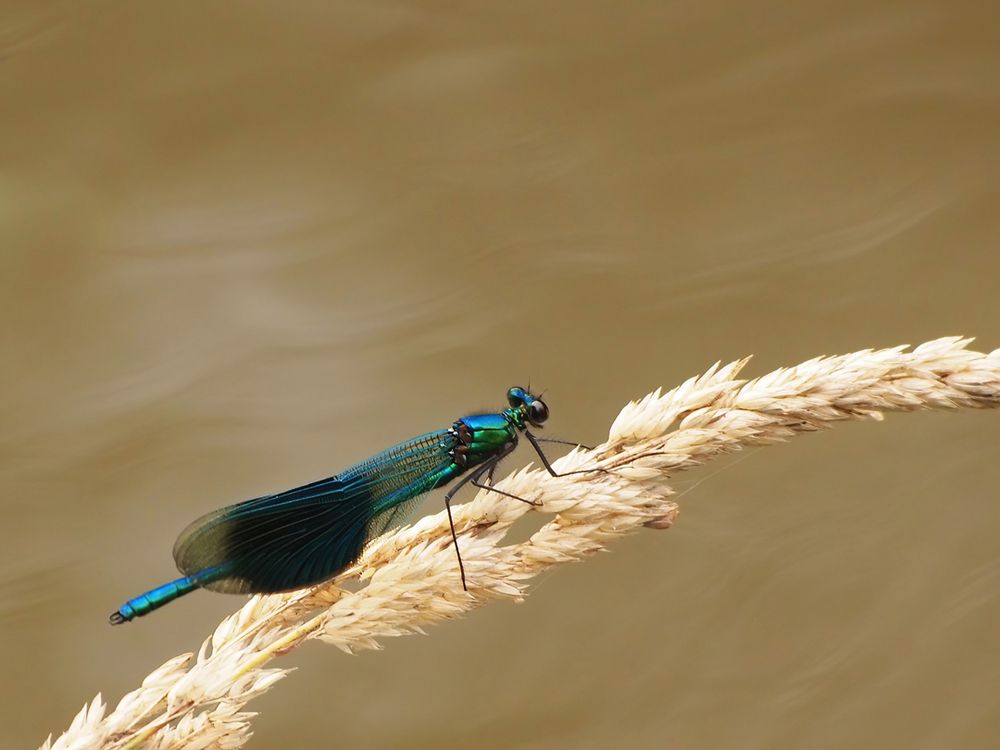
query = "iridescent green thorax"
x=482 y=437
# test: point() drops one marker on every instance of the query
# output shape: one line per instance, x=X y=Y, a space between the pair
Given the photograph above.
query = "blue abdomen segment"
x=152 y=599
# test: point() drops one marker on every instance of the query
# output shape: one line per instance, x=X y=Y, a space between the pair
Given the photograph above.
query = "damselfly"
x=309 y=534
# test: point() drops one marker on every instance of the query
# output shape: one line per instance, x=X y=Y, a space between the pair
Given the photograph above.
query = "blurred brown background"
x=243 y=245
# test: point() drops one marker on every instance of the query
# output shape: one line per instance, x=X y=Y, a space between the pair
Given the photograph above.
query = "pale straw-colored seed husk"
x=411 y=578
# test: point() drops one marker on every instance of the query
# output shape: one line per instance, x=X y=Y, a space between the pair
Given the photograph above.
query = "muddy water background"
x=244 y=245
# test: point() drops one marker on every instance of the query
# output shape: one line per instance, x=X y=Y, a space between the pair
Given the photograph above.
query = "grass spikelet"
x=410 y=575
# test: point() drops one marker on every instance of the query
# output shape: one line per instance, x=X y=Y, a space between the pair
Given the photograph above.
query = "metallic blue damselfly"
x=303 y=536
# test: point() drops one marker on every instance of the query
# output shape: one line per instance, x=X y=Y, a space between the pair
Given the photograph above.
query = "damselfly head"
x=532 y=407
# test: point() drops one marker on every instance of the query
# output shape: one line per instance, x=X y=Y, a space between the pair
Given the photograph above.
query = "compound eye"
x=538 y=412
x=515 y=397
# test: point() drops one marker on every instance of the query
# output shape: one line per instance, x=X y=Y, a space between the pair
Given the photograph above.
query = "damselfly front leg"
x=545 y=461
x=563 y=442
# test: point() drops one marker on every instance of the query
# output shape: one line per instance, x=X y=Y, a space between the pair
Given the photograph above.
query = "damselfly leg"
x=545 y=461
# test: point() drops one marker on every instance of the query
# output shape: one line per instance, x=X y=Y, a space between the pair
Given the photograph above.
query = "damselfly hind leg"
x=487 y=468
x=447 y=505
